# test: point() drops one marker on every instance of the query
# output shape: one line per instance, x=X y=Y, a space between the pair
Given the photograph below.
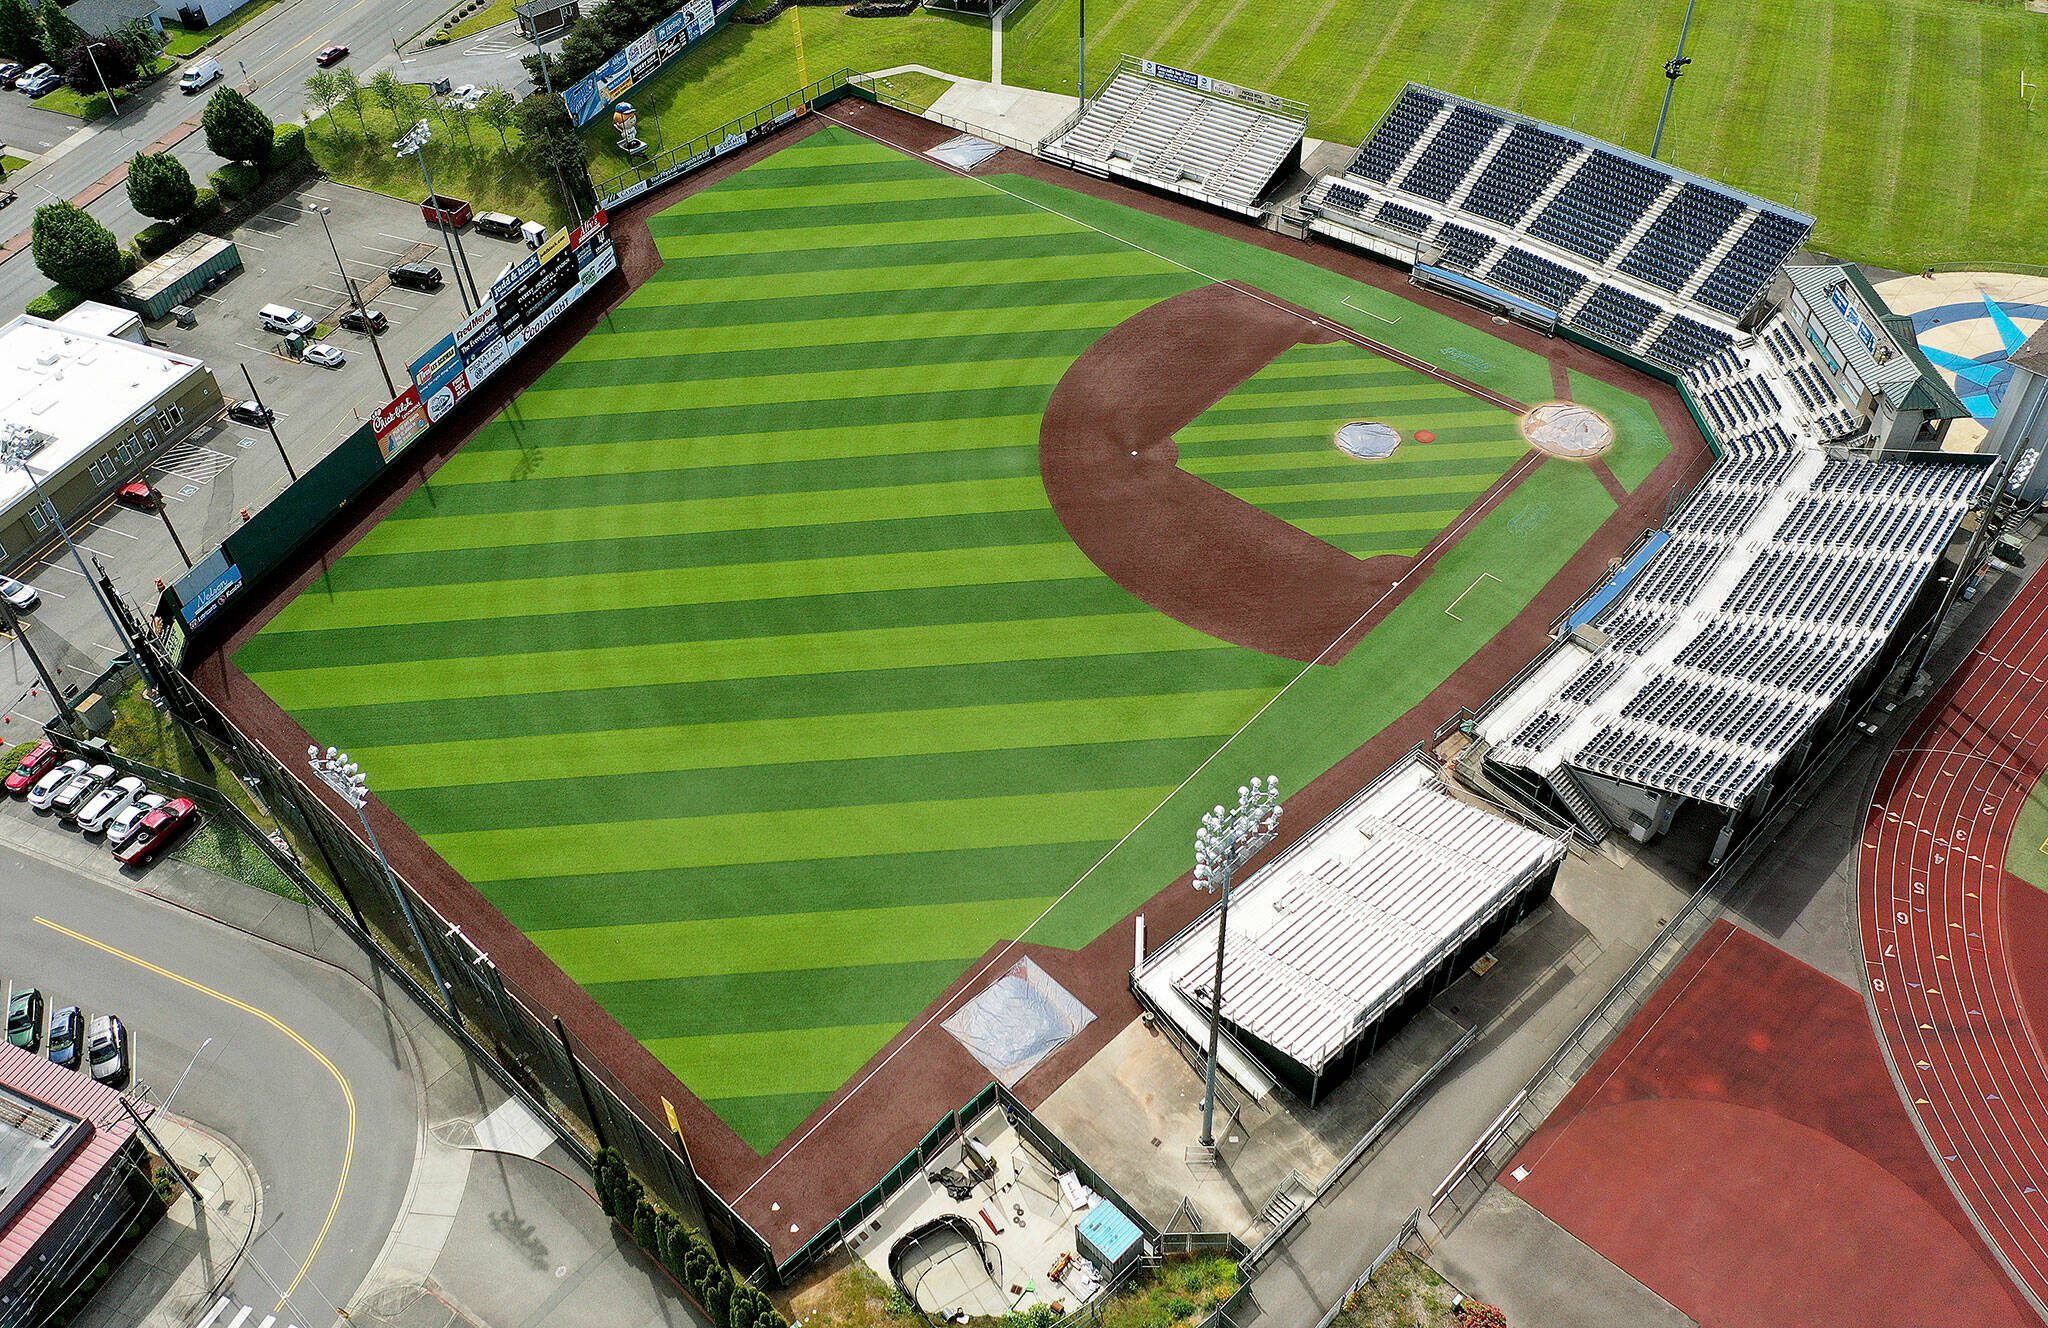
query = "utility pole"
x=1673 y=68
x=20 y=631
x=270 y=423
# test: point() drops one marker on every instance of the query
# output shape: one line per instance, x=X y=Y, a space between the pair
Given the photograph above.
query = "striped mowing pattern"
x=1272 y=442
x=743 y=665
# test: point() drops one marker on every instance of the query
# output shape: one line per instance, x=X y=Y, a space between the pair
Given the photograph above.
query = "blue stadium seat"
x=1685 y=343
x=1549 y=284
x=1734 y=285
x=1394 y=138
x=1443 y=165
x=1599 y=204
x=1671 y=250
x=1404 y=218
x=1465 y=248
x=1616 y=315
x=1519 y=173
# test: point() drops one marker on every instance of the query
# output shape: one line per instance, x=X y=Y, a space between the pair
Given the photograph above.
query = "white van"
x=284 y=318
x=195 y=77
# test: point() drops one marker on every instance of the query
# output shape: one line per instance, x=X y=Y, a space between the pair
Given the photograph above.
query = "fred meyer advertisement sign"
x=646 y=54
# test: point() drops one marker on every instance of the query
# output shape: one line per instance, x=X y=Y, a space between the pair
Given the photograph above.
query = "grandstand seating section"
x=1600 y=234
x=1162 y=133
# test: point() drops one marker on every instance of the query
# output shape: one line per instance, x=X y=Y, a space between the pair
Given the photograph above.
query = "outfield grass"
x=1896 y=122
x=774 y=699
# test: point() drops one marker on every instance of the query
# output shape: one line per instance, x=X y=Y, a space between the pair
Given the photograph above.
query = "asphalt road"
x=304 y=1072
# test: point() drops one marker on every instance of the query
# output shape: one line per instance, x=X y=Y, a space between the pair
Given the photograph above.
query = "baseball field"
x=745 y=665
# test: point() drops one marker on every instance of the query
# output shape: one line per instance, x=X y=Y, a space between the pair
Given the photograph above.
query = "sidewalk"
x=180 y=1264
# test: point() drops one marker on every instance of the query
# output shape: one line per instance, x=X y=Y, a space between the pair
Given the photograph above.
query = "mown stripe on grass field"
x=848 y=386
x=803 y=194
x=802 y=833
x=1321 y=453
x=422 y=531
x=1339 y=471
x=945 y=356
x=998 y=222
x=883 y=214
x=786 y=941
x=973 y=328
x=666 y=663
x=1366 y=523
x=1066 y=250
x=630 y=319
x=934 y=269
x=766 y=1120
x=711 y=451
x=731 y=743
x=782 y=1061
x=1394 y=484
x=760 y=1002
x=685 y=585
x=1009 y=772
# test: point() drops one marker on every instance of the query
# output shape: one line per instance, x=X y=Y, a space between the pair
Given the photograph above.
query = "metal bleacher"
x=1650 y=258
x=1217 y=143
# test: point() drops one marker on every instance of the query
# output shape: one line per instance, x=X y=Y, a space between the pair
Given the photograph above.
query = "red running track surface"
x=1955 y=945
x=1740 y=1150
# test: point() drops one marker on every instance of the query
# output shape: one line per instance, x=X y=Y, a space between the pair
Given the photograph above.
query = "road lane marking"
x=348 y=1095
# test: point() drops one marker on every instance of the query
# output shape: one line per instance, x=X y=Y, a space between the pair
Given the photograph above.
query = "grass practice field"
x=743 y=664
x=1897 y=122
x=2027 y=855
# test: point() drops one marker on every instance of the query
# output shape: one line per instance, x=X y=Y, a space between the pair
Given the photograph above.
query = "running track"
x=1954 y=944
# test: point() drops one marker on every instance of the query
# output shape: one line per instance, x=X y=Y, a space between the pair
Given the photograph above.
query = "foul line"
x=348 y=1096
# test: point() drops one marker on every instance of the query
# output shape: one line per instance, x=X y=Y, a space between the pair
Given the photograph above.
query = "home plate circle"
x=1368 y=440
x=1565 y=429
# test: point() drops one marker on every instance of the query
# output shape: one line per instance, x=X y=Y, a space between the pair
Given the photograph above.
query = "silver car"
x=23 y=598
x=46 y=788
x=81 y=788
x=106 y=1050
x=128 y=820
x=103 y=806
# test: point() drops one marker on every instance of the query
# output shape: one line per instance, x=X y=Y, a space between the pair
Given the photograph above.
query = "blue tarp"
x=1619 y=582
x=1109 y=1233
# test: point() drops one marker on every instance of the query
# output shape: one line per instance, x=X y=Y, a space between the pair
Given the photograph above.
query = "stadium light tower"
x=1673 y=68
x=1226 y=841
x=414 y=144
x=347 y=779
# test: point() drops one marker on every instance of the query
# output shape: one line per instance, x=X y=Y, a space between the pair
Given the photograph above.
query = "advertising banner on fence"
x=482 y=345
x=437 y=375
x=211 y=583
x=398 y=422
x=595 y=95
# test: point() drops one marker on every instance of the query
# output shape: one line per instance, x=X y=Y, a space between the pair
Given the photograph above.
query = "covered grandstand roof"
x=1784 y=575
x=1886 y=356
x=1639 y=253
x=1336 y=930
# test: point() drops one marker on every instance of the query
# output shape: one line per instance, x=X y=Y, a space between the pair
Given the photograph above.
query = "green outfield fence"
x=699 y=152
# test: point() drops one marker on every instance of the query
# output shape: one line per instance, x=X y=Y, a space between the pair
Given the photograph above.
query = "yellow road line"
x=348 y=1096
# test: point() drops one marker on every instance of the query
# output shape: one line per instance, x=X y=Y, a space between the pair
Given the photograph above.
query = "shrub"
x=56 y=301
x=159 y=186
x=73 y=250
x=236 y=180
x=156 y=237
x=205 y=203
x=287 y=145
x=235 y=129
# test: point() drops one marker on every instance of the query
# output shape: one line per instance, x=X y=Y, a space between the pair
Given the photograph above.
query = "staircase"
x=1590 y=822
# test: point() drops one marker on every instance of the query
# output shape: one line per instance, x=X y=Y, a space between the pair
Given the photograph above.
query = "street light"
x=355 y=296
x=1227 y=840
x=163 y=512
x=414 y=144
x=1673 y=68
x=342 y=775
x=17 y=444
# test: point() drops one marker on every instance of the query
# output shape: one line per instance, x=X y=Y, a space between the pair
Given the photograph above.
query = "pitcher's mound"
x=1368 y=440
x=1564 y=429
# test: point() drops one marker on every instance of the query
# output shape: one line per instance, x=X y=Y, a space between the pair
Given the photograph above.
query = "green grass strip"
x=779 y=1061
x=823 y=385
x=905 y=238
x=762 y=1002
x=706 y=285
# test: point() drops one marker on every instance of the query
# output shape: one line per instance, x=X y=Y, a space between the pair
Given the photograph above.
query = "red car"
x=158 y=829
x=33 y=767
x=139 y=495
x=333 y=55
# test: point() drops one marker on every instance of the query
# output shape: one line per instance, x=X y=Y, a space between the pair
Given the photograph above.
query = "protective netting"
x=1017 y=1021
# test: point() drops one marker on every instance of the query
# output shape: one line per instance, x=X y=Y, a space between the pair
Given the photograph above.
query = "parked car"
x=324 y=354
x=25 y=1018
x=331 y=56
x=369 y=320
x=467 y=96
x=67 y=1032
x=103 y=806
x=106 y=1050
x=501 y=224
x=22 y=598
x=46 y=788
x=201 y=75
x=140 y=495
x=41 y=84
x=157 y=831
x=284 y=318
x=250 y=412
x=416 y=276
x=441 y=210
x=22 y=76
x=9 y=71
x=81 y=788
x=129 y=819
x=37 y=763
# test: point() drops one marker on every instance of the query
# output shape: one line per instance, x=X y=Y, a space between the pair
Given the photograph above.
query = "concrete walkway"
x=182 y=1262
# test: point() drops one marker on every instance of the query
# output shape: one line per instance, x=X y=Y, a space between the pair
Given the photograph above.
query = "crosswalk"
x=193 y=463
x=244 y=1316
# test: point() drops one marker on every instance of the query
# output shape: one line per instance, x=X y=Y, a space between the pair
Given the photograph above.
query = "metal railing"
x=1402 y=1237
x=705 y=148
x=867 y=85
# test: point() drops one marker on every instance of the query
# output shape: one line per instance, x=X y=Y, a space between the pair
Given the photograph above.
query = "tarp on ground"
x=1017 y=1021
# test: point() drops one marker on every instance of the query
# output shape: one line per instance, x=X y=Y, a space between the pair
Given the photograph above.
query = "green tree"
x=323 y=90
x=144 y=43
x=499 y=109
x=389 y=93
x=454 y=119
x=73 y=250
x=159 y=186
x=99 y=64
x=351 y=88
x=60 y=34
x=552 y=142
x=21 y=35
x=235 y=129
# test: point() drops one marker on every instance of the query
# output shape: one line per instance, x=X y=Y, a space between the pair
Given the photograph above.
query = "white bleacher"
x=1658 y=261
x=1785 y=574
x=1222 y=146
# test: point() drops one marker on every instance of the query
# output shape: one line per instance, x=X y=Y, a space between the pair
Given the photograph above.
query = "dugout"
x=1352 y=930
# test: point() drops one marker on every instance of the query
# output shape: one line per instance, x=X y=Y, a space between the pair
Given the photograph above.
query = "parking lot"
x=209 y=480
x=49 y=993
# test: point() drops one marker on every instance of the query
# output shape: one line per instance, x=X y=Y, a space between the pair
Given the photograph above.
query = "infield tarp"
x=1017 y=1021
